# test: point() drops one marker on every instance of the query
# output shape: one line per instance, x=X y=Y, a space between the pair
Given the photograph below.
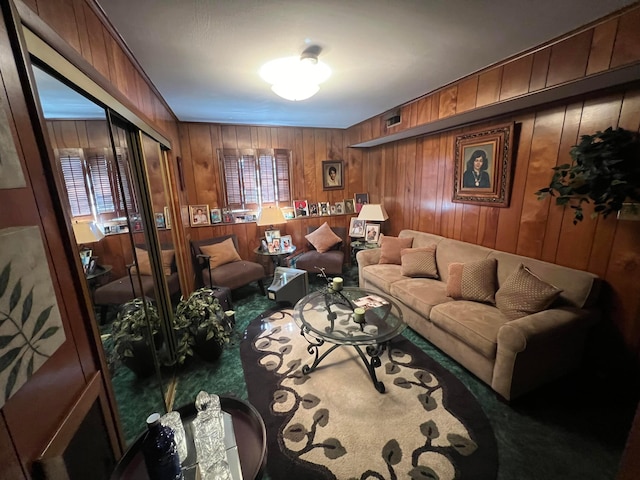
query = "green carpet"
x=573 y=429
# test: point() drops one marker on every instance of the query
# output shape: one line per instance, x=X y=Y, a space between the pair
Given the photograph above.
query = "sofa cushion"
x=323 y=238
x=524 y=293
x=475 y=324
x=421 y=294
x=391 y=248
x=419 y=262
x=168 y=259
x=143 y=264
x=475 y=281
x=382 y=275
x=221 y=253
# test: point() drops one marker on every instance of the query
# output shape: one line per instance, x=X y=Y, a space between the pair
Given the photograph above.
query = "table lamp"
x=270 y=216
x=373 y=212
x=86 y=232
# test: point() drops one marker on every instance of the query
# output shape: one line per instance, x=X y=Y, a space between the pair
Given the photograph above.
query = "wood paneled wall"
x=607 y=44
x=309 y=146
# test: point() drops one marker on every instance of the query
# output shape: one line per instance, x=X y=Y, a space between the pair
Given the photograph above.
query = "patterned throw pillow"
x=391 y=248
x=323 y=238
x=475 y=281
x=524 y=293
x=419 y=262
x=221 y=253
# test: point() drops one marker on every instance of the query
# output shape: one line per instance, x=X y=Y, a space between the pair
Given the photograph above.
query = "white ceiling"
x=204 y=55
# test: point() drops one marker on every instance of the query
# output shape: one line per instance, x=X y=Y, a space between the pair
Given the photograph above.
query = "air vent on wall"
x=392 y=118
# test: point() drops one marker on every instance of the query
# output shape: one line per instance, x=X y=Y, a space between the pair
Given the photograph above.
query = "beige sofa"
x=512 y=356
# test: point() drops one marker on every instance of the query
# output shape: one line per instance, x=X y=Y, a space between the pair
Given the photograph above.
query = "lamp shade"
x=87 y=232
x=270 y=216
x=373 y=212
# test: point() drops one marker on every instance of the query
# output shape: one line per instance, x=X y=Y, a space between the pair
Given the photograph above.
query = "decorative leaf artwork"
x=30 y=325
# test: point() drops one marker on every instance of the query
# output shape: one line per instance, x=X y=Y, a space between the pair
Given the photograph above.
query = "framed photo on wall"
x=199 y=215
x=332 y=175
x=483 y=163
x=159 y=219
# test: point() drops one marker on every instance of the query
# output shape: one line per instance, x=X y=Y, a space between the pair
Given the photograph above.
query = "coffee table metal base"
x=373 y=351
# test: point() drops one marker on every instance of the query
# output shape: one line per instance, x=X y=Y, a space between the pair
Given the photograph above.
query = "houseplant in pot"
x=202 y=317
x=135 y=324
x=605 y=171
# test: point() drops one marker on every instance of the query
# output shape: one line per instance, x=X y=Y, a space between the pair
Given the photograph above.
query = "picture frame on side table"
x=483 y=164
x=285 y=243
x=356 y=228
x=372 y=232
x=199 y=215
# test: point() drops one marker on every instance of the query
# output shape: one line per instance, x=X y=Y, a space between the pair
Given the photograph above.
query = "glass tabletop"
x=352 y=316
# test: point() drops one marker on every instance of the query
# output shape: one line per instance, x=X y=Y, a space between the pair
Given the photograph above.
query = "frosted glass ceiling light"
x=296 y=78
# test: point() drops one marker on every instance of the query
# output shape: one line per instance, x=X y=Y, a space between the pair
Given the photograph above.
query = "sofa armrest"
x=364 y=258
x=539 y=348
x=520 y=333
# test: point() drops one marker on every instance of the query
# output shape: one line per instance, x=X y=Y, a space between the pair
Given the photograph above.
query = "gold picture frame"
x=483 y=163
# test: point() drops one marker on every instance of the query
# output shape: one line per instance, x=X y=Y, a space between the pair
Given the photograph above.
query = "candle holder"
x=358 y=317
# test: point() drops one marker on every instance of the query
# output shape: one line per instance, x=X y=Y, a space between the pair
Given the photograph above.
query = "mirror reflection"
x=105 y=198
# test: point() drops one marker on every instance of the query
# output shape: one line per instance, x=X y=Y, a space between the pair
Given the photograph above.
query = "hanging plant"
x=605 y=171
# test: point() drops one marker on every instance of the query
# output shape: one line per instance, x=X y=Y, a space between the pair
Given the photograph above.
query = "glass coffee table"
x=352 y=316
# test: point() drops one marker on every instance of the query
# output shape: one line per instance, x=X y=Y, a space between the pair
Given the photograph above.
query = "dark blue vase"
x=160 y=451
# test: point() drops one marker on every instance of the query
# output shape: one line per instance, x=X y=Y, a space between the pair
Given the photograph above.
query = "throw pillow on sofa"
x=475 y=281
x=419 y=262
x=524 y=293
x=144 y=263
x=391 y=248
x=323 y=238
x=221 y=253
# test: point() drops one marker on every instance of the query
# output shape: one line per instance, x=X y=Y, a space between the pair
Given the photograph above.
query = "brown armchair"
x=126 y=288
x=312 y=260
x=231 y=275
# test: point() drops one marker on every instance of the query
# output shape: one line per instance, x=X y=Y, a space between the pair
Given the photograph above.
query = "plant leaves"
x=4 y=278
x=8 y=358
x=42 y=318
x=6 y=340
x=15 y=295
x=11 y=380
x=26 y=306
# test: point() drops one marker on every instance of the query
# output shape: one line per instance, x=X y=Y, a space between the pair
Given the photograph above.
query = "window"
x=90 y=177
x=253 y=178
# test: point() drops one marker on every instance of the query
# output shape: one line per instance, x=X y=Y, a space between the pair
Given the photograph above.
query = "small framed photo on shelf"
x=159 y=219
x=332 y=209
x=301 y=208
x=199 y=215
x=325 y=208
x=167 y=217
x=339 y=208
x=216 y=215
x=356 y=228
x=372 y=232
x=361 y=199
x=349 y=205
x=285 y=243
x=313 y=209
x=227 y=216
x=288 y=212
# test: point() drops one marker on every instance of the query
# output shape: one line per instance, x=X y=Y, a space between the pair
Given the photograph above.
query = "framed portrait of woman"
x=483 y=166
x=332 y=175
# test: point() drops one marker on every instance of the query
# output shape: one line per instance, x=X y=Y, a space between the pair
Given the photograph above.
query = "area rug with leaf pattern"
x=333 y=424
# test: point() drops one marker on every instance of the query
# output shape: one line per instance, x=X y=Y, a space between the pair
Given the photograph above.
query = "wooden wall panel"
x=627 y=44
x=569 y=59
x=604 y=36
x=516 y=77
x=489 y=84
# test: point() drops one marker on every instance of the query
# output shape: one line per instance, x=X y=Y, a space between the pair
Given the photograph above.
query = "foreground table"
x=333 y=317
x=250 y=435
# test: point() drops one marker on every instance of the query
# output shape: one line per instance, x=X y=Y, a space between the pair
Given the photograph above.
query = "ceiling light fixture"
x=296 y=78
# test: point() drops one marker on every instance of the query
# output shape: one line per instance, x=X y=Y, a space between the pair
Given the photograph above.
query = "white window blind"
x=73 y=175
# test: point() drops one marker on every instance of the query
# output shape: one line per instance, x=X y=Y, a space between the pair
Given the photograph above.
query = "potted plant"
x=605 y=170
x=202 y=317
x=131 y=336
